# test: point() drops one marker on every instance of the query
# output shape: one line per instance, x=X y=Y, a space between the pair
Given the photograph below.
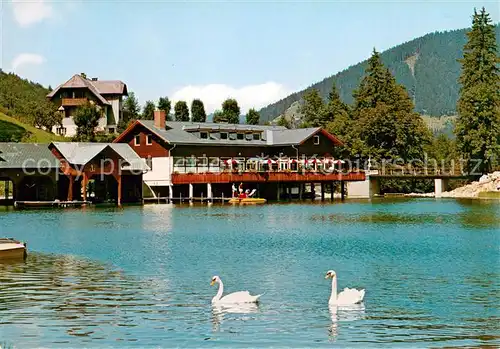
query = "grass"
x=12 y=130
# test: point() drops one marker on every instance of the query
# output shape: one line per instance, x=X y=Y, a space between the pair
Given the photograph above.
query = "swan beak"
x=327 y=276
x=212 y=283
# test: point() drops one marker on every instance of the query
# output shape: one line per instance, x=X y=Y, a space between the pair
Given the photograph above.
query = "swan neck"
x=333 y=295
x=220 y=291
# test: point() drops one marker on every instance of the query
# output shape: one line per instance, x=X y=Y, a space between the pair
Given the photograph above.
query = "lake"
x=140 y=276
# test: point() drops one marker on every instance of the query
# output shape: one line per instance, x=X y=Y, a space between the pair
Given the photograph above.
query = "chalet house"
x=106 y=94
x=190 y=159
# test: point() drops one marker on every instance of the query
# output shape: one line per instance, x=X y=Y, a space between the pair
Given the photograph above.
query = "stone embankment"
x=487 y=183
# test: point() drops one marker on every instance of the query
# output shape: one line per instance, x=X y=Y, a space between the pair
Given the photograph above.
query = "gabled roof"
x=177 y=132
x=27 y=155
x=81 y=153
x=98 y=88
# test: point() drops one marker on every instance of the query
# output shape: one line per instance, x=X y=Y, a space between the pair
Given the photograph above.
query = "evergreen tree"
x=219 y=117
x=282 y=121
x=181 y=111
x=478 y=124
x=131 y=108
x=334 y=109
x=148 y=113
x=86 y=120
x=384 y=120
x=165 y=105
x=231 y=111
x=252 y=117
x=198 y=111
x=312 y=108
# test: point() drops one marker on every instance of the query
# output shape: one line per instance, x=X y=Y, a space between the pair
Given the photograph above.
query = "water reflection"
x=343 y=314
x=219 y=310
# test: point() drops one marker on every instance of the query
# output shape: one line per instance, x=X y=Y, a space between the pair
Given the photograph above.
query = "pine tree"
x=86 y=120
x=181 y=111
x=252 y=117
x=334 y=109
x=165 y=105
x=231 y=111
x=312 y=108
x=148 y=112
x=198 y=111
x=383 y=117
x=478 y=124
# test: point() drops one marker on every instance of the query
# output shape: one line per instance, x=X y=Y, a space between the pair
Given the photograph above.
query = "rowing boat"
x=247 y=201
x=12 y=249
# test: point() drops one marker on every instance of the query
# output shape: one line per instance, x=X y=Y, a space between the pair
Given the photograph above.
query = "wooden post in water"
x=7 y=190
x=322 y=191
x=342 y=190
x=331 y=192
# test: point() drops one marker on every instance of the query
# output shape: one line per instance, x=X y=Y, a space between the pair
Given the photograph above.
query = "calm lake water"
x=140 y=276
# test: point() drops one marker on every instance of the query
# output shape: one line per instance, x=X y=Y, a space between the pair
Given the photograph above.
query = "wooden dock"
x=180 y=199
x=50 y=204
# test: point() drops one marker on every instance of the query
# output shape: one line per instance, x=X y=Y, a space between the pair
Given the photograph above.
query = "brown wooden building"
x=192 y=159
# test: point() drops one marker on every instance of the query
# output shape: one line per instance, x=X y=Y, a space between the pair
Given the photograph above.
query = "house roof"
x=27 y=155
x=98 y=88
x=177 y=132
x=81 y=153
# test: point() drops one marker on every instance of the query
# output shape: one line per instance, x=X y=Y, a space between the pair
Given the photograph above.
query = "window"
x=256 y=136
x=316 y=140
x=149 y=162
x=203 y=135
x=61 y=131
x=240 y=136
x=137 y=140
x=232 y=136
x=223 y=135
x=248 y=136
x=149 y=139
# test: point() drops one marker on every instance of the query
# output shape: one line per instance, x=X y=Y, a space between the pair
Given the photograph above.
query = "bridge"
x=371 y=186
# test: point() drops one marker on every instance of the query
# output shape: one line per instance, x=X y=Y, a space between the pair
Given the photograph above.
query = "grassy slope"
x=13 y=130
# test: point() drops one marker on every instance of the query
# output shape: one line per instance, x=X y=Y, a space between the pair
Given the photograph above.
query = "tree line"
x=381 y=122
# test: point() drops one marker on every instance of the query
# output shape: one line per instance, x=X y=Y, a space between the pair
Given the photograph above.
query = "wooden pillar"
x=7 y=190
x=84 y=187
x=301 y=190
x=119 y=180
x=342 y=189
x=313 y=192
x=331 y=191
x=322 y=191
x=70 y=187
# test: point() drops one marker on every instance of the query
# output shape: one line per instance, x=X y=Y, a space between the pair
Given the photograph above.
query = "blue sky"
x=255 y=51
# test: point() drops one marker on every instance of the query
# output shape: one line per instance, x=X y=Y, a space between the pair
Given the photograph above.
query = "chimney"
x=160 y=118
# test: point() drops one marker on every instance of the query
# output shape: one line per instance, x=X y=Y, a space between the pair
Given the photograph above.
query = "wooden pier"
x=50 y=204
x=180 y=199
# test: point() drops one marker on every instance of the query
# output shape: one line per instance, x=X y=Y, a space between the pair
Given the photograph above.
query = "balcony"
x=263 y=177
x=73 y=102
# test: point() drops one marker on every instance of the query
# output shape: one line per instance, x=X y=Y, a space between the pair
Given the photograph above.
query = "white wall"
x=115 y=108
x=161 y=175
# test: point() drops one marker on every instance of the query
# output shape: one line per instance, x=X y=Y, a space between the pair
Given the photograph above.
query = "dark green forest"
x=427 y=66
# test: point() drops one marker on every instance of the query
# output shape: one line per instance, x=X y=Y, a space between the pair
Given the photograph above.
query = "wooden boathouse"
x=69 y=174
x=189 y=159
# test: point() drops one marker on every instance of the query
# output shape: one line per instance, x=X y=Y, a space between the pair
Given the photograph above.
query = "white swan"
x=232 y=298
x=347 y=296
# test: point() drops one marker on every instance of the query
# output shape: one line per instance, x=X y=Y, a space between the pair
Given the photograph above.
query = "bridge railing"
x=409 y=171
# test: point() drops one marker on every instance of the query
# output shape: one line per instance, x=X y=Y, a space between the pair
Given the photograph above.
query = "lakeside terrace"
x=200 y=170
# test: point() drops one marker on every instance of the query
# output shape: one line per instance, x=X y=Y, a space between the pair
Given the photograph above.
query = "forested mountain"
x=427 y=66
x=20 y=98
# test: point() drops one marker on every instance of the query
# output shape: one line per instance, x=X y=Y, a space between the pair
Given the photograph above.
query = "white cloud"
x=28 y=12
x=251 y=96
x=26 y=59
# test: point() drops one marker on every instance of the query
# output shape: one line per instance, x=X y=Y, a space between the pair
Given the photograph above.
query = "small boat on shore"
x=247 y=201
x=12 y=249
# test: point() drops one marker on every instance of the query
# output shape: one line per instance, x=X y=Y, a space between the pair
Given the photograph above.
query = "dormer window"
x=232 y=136
x=248 y=136
x=204 y=135
x=256 y=136
x=137 y=140
x=316 y=140
x=149 y=139
x=240 y=136
x=223 y=135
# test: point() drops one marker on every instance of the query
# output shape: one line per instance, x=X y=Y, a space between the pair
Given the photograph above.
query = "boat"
x=12 y=249
x=248 y=201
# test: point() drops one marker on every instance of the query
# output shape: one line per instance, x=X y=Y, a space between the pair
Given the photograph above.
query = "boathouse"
x=71 y=172
x=189 y=159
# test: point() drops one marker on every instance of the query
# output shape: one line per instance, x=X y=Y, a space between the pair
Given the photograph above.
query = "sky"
x=255 y=51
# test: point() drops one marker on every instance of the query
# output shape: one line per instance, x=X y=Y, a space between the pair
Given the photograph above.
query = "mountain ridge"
x=427 y=66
